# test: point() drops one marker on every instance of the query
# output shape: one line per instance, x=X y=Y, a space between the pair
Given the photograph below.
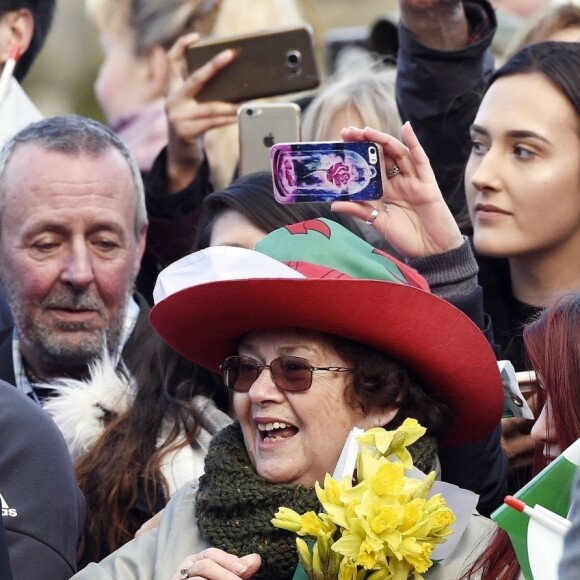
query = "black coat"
x=5 y=571
x=439 y=92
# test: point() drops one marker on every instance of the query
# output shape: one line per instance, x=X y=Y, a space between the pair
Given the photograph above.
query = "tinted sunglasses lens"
x=240 y=372
x=292 y=373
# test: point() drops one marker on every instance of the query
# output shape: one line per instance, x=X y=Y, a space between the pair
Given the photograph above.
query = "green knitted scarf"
x=234 y=506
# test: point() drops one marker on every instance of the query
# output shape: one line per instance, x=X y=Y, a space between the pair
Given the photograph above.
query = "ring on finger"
x=372 y=217
x=394 y=171
x=184 y=573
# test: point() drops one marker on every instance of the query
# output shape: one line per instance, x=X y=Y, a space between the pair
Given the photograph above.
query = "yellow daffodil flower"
x=308 y=524
x=304 y=555
x=382 y=528
x=347 y=570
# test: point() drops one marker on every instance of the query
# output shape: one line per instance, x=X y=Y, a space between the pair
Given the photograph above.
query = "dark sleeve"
x=5 y=572
x=172 y=221
x=160 y=204
x=42 y=505
x=173 y=218
x=480 y=466
x=439 y=92
x=472 y=306
x=452 y=275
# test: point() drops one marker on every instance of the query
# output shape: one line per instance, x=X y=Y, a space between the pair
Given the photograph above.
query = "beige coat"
x=157 y=554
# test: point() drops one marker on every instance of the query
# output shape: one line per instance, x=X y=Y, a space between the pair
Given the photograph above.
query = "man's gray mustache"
x=73 y=302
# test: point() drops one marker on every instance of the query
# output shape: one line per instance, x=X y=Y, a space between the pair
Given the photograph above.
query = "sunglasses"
x=289 y=373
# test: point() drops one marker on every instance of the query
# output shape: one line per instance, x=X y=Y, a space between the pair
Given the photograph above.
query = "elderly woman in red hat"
x=315 y=333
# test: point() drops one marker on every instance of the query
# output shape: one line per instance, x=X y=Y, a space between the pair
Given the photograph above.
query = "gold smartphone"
x=262 y=125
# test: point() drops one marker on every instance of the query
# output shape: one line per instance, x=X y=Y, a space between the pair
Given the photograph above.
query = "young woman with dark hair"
x=523 y=186
x=523 y=192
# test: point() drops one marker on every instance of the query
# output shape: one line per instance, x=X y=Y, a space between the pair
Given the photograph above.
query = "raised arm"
x=188 y=119
x=442 y=69
x=180 y=177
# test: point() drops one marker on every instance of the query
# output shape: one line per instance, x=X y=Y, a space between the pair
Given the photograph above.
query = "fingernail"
x=192 y=37
x=240 y=568
x=223 y=55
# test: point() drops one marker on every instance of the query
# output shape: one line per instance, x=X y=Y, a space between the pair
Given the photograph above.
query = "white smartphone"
x=262 y=125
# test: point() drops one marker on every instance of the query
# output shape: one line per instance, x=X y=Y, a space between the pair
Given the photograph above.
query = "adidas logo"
x=7 y=512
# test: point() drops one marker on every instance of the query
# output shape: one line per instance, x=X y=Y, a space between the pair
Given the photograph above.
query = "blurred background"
x=61 y=79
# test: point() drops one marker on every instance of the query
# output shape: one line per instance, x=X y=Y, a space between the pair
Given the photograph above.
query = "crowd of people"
x=181 y=355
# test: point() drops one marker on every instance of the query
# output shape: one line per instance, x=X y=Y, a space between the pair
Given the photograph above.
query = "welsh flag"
x=539 y=549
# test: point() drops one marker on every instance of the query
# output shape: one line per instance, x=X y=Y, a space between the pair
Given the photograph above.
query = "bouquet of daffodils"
x=379 y=524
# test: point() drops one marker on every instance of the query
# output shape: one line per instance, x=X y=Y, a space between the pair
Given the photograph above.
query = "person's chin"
x=77 y=339
x=278 y=470
x=278 y=476
x=488 y=244
x=79 y=346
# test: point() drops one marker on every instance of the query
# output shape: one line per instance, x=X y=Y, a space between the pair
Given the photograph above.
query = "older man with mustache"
x=72 y=232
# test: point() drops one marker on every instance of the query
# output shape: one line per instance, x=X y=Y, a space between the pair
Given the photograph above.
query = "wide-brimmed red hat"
x=317 y=275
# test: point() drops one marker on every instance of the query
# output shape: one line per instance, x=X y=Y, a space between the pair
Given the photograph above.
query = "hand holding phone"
x=327 y=171
x=187 y=118
x=412 y=216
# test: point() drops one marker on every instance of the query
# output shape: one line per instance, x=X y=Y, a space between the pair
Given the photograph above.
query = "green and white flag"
x=539 y=549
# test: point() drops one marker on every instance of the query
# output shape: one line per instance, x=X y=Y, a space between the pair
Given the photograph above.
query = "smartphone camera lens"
x=250 y=112
x=373 y=155
x=293 y=60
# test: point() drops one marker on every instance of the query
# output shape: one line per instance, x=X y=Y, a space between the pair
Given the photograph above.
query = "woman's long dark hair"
x=121 y=475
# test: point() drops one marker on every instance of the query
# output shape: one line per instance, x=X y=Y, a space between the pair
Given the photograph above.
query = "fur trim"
x=82 y=408
x=186 y=463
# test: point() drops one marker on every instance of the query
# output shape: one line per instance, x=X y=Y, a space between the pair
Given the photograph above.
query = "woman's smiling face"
x=312 y=425
x=523 y=176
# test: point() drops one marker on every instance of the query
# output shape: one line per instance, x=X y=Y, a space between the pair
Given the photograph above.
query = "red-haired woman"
x=552 y=343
